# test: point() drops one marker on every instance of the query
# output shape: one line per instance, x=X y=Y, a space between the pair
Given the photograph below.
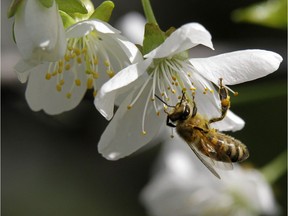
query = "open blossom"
x=95 y=52
x=39 y=32
x=167 y=71
x=182 y=186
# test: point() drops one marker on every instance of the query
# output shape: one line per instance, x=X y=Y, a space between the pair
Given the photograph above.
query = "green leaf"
x=271 y=13
x=47 y=3
x=72 y=6
x=104 y=11
x=13 y=8
x=66 y=19
x=153 y=37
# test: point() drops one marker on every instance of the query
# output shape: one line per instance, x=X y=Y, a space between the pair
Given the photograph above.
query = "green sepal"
x=103 y=11
x=47 y=3
x=66 y=19
x=170 y=31
x=13 y=8
x=72 y=6
x=153 y=37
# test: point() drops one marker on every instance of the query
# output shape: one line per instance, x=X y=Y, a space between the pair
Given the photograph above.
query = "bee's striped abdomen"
x=233 y=148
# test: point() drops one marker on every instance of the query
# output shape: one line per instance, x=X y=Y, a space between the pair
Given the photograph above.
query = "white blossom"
x=182 y=186
x=167 y=71
x=95 y=52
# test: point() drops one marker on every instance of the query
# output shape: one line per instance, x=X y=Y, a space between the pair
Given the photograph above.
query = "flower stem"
x=148 y=11
x=276 y=168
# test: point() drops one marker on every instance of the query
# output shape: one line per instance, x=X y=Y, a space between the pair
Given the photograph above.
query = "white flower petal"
x=123 y=135
x=84 y=27
x=121 y=82
x=237 y=67
x=130 y=49
x=41 y=94
x=22 y=69
x=184 y=38
x=37 y=39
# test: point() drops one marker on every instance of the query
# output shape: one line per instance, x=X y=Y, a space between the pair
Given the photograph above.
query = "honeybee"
x=210 y=146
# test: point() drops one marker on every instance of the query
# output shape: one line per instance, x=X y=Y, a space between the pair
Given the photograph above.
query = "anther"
x=129 y=106
x=79 y=60
x=77 y=51
x=78 y=82
x=144 y=132
x=89 y=83
x=68 y=95
x=60 y=70
x=61 y=82
x=67 y=57
x=67 y=67
x=48 y=76
x=58 y=87
x=95 y=75
x=110 y=73
x=106 y=63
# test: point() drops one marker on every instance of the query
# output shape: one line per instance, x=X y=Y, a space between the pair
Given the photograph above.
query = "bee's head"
x=182 y=111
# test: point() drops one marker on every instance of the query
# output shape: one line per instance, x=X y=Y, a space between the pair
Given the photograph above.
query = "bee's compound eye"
x=186 y=112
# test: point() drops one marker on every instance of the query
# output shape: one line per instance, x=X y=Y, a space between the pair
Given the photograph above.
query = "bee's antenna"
x=163 y=101
x=183 y=97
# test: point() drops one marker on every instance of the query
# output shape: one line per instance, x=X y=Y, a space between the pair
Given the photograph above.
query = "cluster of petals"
x=167 y=71
x=181 y=185
x=95 y=51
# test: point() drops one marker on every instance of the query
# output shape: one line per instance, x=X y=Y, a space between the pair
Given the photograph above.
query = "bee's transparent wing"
x=205 y=160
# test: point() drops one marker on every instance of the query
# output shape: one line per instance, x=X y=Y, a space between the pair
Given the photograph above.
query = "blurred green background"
x=50 y=164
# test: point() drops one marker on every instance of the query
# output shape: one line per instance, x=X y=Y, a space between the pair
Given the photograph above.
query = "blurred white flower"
x=132 y=26
x=95 y=52
x=166 y=72
x=39 y=32
x=182 y=186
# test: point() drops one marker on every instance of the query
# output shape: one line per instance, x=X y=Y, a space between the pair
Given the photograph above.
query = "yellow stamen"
x=106 y=63
x=60 y=63
x=61 y=82
x=110 y=73
x=79 y=60
x=67 y=57
x=94 y=93
x=58 y=87
x=78 y=82
x=129 y=107
x=77 y=51
x=48 y=76
x=68 y=95
x=67 y=67
x=144 y=132
x=95 y=74
x=89 y=83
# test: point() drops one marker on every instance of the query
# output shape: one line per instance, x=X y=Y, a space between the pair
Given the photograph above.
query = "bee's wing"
x=205 y=160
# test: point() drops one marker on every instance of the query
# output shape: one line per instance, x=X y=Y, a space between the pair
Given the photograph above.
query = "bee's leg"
x=225 y=102
x=201 y=129
x=168 y=123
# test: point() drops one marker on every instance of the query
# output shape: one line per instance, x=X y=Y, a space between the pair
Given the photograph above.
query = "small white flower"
x=95 y=52
x=166 y=72
x=39 y=32
x=183 y=186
